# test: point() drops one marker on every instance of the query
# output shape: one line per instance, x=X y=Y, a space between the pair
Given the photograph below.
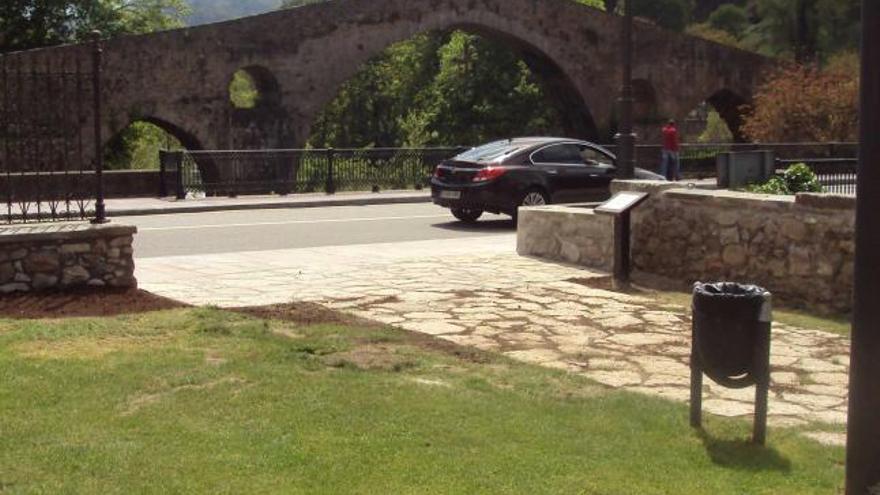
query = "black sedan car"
x=501 y=176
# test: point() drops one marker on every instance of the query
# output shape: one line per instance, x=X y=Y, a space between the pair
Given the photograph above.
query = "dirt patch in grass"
x=83 y=303
x=88 y=347
x=137 y=402
x=384 y=357
x=315 y=314
x=304 y=313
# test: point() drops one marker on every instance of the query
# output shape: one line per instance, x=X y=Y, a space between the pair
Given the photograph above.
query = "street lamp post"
x=626 y=139
x=863 y=426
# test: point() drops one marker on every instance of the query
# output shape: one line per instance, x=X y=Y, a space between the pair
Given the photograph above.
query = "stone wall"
x=800 y=248
x=573 y=234
x=67 y=255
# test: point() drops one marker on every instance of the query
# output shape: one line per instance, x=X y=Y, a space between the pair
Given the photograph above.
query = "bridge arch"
x=560 y=90
x=732 y=108
x=570 y=111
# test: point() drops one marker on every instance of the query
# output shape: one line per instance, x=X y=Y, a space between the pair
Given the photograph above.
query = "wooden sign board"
x=621 y=203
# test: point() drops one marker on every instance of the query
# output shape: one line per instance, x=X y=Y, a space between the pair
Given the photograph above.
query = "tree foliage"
x=437 y=89
x=801 y=103
x=731 y=19
x=669 y=14
x=28 y=24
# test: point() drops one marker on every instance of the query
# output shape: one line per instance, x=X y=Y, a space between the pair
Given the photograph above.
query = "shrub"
x=802 y=104
x=796 y=179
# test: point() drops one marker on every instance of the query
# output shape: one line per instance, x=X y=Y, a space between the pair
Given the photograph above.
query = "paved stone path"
x=477 y=292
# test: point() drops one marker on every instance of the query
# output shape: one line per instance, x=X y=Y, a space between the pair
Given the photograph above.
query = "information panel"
x=621 y=202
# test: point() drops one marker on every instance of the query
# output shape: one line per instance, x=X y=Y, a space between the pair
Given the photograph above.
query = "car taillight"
x=489 y=173
x=438 y=172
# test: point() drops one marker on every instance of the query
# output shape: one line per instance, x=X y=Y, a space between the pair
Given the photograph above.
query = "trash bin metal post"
x=762 y=385
x=696 y=381
x=762 y=370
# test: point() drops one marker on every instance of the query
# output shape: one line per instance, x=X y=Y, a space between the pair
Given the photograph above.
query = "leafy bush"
x=802 y=104
x=797 y=178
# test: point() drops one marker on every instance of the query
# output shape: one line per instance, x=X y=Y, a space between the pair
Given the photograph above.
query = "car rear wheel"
x=467 y=215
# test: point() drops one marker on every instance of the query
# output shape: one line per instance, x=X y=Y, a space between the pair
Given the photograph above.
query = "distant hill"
x=205 y=11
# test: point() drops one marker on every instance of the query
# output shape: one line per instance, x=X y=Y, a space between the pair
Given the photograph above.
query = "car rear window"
x=489 y=152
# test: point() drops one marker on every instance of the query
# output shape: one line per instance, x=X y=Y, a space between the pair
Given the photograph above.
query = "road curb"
x=171 y=210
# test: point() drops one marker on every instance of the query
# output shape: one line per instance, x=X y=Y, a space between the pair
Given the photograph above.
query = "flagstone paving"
x=478 y=293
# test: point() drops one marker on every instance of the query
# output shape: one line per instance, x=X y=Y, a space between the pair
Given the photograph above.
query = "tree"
x=28 y=24
x=669 y=14
x=481 y=91
x=808 y=31
x=799 y=104
x=730 y=18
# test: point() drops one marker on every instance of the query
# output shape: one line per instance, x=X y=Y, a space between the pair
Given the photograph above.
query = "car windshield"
x=489 y=152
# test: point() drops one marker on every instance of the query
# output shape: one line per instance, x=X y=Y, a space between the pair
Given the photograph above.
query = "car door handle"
x=553 y=171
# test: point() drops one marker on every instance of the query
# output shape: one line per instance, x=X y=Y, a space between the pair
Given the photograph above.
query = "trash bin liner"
x=727 y=321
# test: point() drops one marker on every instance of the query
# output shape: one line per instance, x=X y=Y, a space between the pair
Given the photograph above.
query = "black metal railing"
x=836 y=175
x=698 y=160
x=49 y=131
x=232 y=173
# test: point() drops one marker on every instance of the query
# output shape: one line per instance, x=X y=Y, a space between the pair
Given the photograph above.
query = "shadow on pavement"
x=506 y=225
x=743 y=454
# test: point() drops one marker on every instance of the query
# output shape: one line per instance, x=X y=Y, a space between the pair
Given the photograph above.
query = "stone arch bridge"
x=300 y=57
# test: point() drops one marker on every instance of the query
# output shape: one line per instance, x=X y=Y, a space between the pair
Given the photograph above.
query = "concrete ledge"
x=12 y=234
x=826 y=201
x=157 y=206
x=569 y=233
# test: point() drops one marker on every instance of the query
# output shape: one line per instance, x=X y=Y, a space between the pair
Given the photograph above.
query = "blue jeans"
x=670 y=165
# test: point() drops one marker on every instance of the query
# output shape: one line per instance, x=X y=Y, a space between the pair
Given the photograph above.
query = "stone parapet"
x=572 y=233
x=801 y=249
x=66 y=255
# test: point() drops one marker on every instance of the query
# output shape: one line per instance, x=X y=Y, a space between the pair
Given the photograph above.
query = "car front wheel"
x=532 y=197
x=467 y=215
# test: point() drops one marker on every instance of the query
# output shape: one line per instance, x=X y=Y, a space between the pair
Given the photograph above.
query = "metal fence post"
x=330 y=187
x=176 y=157
x=163 y=169
x=100 y=208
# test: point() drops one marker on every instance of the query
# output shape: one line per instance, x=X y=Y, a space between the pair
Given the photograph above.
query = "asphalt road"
x=263 y=230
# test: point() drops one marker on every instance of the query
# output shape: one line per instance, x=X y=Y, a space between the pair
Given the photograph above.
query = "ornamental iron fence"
x=698 y=161
x=232 y=173
x=49 y=170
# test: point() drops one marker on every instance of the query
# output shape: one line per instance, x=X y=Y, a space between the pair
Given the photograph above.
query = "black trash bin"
x=731 y=343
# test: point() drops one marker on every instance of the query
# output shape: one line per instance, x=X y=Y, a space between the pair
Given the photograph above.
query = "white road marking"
x=293 y=222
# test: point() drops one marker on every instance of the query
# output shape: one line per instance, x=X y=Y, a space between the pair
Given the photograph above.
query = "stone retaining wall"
x=800 y=248
x=51 y=256
x=573 y=234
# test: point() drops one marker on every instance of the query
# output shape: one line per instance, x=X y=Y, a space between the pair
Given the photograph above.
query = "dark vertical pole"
x=6 y=129
x=621 y=269
x=100 y=209
x=163 y=169
x=696 y=380
x=177 y=158
x=762 y=384
x=331 y=185
x=626 y=140
x=863 y=438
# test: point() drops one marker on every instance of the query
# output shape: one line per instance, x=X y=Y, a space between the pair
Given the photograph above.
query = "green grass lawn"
x=206 y=401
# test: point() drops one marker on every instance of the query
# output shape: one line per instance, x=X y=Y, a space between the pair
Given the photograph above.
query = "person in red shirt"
x=670 y=164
